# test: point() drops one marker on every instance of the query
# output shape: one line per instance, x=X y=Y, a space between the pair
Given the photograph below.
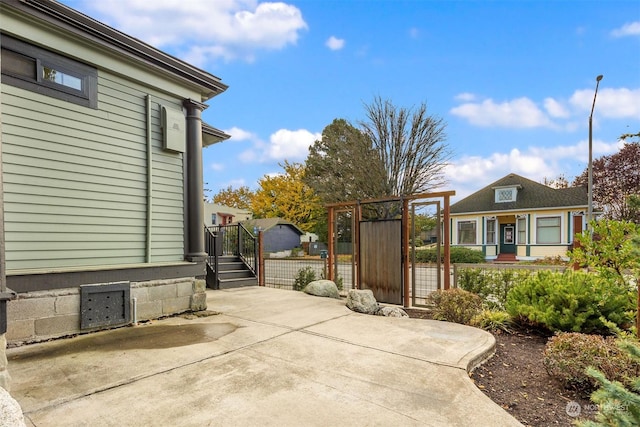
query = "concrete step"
x=238 y=283
x=227 y=266
x=235 y=274
x=506 y=258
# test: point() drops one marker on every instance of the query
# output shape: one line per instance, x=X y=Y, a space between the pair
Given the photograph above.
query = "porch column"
x=194 y=182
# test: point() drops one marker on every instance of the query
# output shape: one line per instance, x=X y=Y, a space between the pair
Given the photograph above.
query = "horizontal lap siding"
x=75 y=182
x=167 y=241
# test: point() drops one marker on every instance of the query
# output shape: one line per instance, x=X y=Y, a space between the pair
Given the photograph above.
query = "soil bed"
x=516 y=379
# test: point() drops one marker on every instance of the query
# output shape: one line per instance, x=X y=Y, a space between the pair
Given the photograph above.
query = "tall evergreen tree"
x=342 y=166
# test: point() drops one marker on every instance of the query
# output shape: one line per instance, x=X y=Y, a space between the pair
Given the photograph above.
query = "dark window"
x=33 y=68
x=467 y=233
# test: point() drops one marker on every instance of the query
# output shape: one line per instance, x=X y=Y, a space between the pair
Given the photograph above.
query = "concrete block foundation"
x=39 y=316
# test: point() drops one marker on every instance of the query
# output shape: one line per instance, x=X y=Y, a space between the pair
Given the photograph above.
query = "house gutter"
x=103 y=34
x=513 y=211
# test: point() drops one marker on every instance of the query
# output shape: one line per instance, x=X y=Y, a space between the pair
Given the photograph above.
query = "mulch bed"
x=515 y=379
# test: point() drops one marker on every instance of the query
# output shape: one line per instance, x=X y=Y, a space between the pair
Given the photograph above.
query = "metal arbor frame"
x=355 y=207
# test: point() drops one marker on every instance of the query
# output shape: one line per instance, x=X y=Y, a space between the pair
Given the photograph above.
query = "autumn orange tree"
x=239 y=198
x=287 y=196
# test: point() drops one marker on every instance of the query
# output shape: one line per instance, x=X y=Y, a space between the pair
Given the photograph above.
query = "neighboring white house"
x=309 y=238
x=215 y=214
x=516 y=218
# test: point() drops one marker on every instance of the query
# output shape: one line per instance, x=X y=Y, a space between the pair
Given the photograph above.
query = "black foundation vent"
x=104 y=305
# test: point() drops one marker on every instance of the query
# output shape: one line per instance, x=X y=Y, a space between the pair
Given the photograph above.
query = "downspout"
x=149 y=182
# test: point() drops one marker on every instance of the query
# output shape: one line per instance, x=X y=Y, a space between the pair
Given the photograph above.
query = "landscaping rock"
x=392 y=312
x=322 y=288
x=362 y=301
x=10 y=411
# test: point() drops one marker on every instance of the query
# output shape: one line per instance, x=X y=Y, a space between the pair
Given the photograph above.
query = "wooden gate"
x=380 y=259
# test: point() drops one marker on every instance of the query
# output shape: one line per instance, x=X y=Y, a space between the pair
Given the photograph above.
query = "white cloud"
x=469 y=174
x=614 y=103
x=238 y=134
x=291 y=145
x=228 y=29
x=284 y=144
x=216 y=167
x=465 y=97
x=610 y=102
x=629 y=29
x=555 y=108
x=334 y=43
x=517 y=113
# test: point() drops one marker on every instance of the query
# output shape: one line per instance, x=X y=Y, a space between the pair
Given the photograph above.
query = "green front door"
x=507 y=239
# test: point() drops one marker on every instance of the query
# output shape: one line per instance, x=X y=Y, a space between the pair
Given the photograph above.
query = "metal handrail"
x=232 y=239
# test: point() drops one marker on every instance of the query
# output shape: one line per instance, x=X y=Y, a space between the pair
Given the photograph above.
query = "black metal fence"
x=282 y=272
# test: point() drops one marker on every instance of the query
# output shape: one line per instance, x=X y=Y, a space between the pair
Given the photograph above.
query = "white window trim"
x=475 y=239
x=495 y=230
x=562 y=228
x=526 y=234
x=514 y=194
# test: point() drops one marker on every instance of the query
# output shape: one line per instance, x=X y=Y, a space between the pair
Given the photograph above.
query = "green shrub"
x=571 y=301
x=618 y=405
x=426 y=256
x=492 y=320
x=454 y=305
x=550 y=260
x=567 y=356
x=456 y=255
x=305 y=276
x=466 y=256
x=492 y=285
x=296 y=253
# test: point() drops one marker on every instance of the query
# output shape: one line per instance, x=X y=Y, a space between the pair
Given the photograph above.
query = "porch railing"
x=232 y=240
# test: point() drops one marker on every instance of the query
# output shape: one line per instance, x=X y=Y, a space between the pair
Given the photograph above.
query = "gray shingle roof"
x=531 y=195
x=267 y=223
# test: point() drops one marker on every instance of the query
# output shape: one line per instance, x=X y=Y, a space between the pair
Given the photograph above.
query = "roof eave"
x=211 y=135
x=209 y=84
x=498 y=212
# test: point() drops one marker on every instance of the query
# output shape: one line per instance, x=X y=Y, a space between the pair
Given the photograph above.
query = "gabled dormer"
x=506 y=193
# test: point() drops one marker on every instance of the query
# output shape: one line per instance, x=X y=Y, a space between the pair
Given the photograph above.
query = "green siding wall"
x=75 y=182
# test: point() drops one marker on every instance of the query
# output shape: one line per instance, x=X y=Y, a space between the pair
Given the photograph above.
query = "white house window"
x=504 y=195
x=467 y=233
x=491 y=232
x=548 y=230
x=214 y=217
x=521 y=227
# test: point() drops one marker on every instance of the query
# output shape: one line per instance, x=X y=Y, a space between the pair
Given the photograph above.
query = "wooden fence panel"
x=381 y=259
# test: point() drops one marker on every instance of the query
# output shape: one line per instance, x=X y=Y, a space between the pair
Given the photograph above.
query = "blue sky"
x=513 y=80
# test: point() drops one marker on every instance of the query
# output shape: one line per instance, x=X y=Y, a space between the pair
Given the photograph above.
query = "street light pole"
x=590 y=167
